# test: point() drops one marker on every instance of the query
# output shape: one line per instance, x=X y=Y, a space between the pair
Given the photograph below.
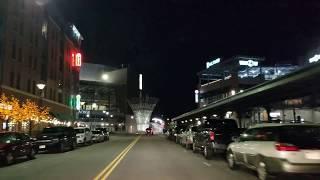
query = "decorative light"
x=132 y=117
x=111 y=116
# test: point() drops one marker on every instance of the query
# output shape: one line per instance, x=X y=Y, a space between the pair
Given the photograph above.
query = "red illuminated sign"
x=76 y=59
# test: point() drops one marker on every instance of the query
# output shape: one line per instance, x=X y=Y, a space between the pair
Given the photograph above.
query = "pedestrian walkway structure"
x=300 y=83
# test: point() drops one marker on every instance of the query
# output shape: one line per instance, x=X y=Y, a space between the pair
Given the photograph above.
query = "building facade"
x=103 y=92
x=226 y=77
x=37 y=46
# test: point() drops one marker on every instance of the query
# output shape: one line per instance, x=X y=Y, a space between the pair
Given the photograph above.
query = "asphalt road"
x=126 y=158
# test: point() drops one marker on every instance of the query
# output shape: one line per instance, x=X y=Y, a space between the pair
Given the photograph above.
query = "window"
x=21 y=28
x=50 y=94
x=30 y=62
x=20 y=54
x=33 y=87
x=14 y=46
x=18 y=81
x=60 y=97
x=61 y=64
x=29 y=85
x=12 y=79
x=35 y=63
x=36 y=41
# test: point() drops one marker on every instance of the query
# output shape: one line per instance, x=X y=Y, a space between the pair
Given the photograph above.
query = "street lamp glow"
x=105 y=77
x=233 y=92
x=132 y=117
x=111 y=116
x=41 y=86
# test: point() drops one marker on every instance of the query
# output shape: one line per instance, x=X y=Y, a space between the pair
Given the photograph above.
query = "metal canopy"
x=300 y=83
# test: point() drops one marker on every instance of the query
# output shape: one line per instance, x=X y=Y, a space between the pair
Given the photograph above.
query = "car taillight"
x=286 y=147
x=211 y=134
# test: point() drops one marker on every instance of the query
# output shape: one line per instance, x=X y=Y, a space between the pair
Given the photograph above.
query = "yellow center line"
x=110 y=167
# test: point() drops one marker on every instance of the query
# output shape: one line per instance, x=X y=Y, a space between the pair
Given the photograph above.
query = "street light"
x=41 y=86
x=105 y=77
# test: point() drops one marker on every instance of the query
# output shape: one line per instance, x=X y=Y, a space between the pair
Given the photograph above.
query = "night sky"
x=169 y=41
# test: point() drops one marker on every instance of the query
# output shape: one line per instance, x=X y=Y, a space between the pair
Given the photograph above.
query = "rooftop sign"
x=315 y=58
x=211 y=63
x=249 y=63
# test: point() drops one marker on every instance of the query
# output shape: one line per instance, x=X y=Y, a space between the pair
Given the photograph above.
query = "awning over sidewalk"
x=300 y=83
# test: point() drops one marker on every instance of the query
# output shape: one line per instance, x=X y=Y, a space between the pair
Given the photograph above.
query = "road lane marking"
x=116 y=160
x=207 y=164
x=107 y=174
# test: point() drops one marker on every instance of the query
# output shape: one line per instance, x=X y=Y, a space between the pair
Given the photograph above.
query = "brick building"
x=37 y=45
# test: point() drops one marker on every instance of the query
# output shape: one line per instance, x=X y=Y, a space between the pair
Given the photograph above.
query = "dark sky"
x=169 y=41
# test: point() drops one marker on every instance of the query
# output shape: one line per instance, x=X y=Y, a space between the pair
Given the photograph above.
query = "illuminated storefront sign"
x=211 y=63
x=315 y=58
x=76 y=59
x=249 y=63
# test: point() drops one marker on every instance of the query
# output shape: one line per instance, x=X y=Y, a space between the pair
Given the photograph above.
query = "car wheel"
x=262 y=171
x=73 y=145
x=194 y=148
x=9 y=159
x=32 y=154
x=61 y=148
x=207 y=152
x=231 y=161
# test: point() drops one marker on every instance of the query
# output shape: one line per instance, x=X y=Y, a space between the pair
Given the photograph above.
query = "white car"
x=273 y=149
x=97 y=136
x=84 y=135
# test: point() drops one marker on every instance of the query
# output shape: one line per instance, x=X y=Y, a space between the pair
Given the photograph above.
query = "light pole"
x=40 y=86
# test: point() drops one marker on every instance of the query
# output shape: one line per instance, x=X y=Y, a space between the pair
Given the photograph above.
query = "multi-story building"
x=37 y=46
x=103 y=92
x=226 y=77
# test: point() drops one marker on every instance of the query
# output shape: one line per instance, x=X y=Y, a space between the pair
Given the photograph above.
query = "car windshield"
x=222 y=124
x=78 y=131
x=304 y=137
x=6 y=138
x=53 y=130
x=96 y=132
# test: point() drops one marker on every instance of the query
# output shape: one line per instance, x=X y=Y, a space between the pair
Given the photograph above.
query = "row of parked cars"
x=270 y=149
x=54 y=139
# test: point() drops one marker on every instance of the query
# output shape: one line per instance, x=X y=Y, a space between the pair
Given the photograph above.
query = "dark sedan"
x=14 y=145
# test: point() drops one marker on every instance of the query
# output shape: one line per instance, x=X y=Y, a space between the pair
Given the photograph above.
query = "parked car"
x=97 y=136
x=277 y=148
x=84 y=135
x=14 y=145
x=57 y=138
x=214 y=135
x=105 y=132
x=178 y=133
x=187 y=136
